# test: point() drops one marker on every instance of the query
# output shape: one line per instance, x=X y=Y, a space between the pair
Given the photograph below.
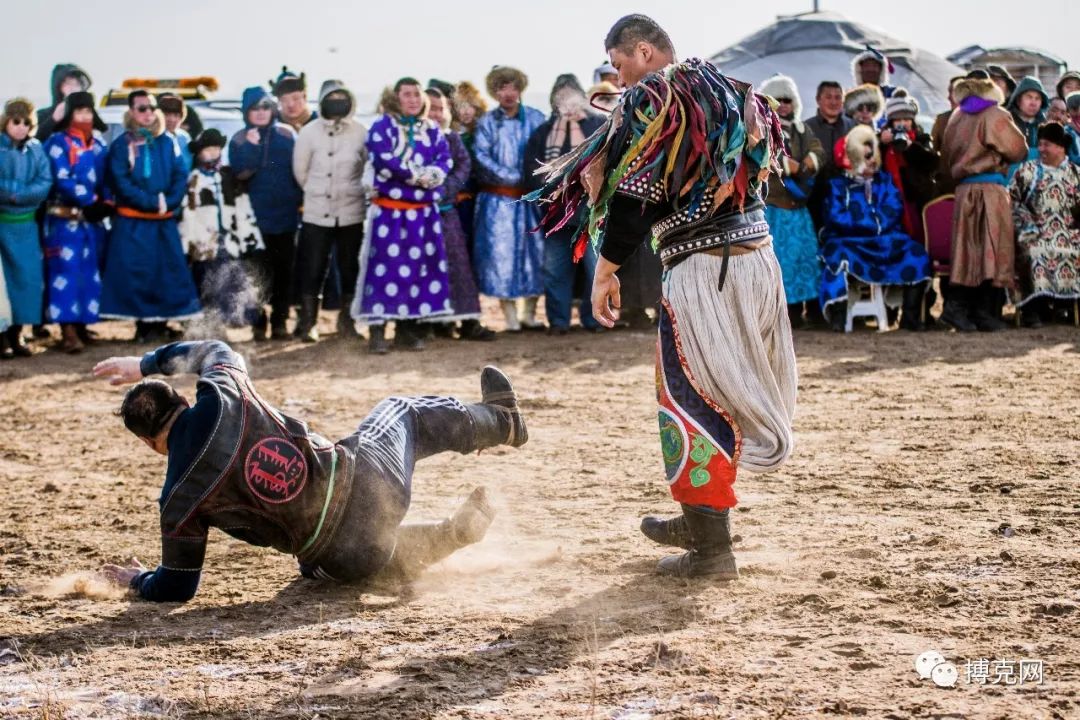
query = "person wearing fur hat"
x=221 y=239
x=1029 y=105
x=464 y=297
x=1045 y=195
x=508 y=252
x=981 y=141
x=871 y=67
x=328 y=164
x=570 y=123
x=65 y=79
x=175 y=111
x=25 y=181
x=466 y=108
x=786 y=210
x=146 y=277
x=864 y=239
x=864 y=104
x=261 y=157
x=74 y=237
x=290 y=90
x=407 y=276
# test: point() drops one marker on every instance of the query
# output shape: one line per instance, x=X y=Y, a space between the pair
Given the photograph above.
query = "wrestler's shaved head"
x=630 y=30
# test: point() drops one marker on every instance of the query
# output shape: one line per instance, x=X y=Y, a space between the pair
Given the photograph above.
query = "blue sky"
x=245 y=43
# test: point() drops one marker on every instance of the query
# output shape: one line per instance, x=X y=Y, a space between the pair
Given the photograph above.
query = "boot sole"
x=723 y=568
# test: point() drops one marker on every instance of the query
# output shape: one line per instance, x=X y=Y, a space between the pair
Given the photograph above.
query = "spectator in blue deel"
x=863 y=238
x=146 y=274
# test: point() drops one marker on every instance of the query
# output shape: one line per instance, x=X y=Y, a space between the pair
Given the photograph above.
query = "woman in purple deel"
x=406 y=275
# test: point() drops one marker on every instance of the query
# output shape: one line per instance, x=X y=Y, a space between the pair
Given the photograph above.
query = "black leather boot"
x=346 y=326
x=497 y=391
x=421 y=545
x=308 y=319
x=377 y=340
x=957 y=310
x=711 y=555
x=987 y=310
x=672 y=531
x=911 y=311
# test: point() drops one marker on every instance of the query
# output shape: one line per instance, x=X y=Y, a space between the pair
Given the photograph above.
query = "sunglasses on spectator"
x=264 y=105
x=866 y=108
x=143 y=108
x=783 y=100
x=19 y=121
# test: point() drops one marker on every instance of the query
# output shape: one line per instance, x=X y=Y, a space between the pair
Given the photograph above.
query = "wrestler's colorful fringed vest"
x=701 y=136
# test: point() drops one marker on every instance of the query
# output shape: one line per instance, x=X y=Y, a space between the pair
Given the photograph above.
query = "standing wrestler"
x=240 y=465
x=683 y=158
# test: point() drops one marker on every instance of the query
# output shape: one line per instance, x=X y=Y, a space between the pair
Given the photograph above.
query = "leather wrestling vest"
x=262 y=477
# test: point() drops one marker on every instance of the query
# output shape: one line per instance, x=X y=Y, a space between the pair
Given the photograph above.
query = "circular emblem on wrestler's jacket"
x=672 y=445
x=275 y=470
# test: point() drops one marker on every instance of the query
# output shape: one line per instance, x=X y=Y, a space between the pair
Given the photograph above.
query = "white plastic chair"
x=873 y=306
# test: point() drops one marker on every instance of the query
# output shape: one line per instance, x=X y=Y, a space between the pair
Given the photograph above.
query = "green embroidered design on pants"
x=701 y=452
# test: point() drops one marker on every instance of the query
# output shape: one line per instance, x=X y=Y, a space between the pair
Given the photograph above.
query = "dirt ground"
x=932 y=504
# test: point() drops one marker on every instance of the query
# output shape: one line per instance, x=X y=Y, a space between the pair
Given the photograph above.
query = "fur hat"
x=468 y=94
x=172 y=103
x=19 y=107
x=865 y=94
x=76 y=100
x=782 y=86
x=997 y=71
x=1071 y=75
x=984 y=88
x=1055 y=132
x=287 y=81
x=207 y=138
x=858 y=139
x=501 y=75
x=871 y=54
x=901 y=105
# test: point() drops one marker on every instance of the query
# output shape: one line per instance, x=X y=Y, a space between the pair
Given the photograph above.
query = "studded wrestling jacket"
x=240 y=465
